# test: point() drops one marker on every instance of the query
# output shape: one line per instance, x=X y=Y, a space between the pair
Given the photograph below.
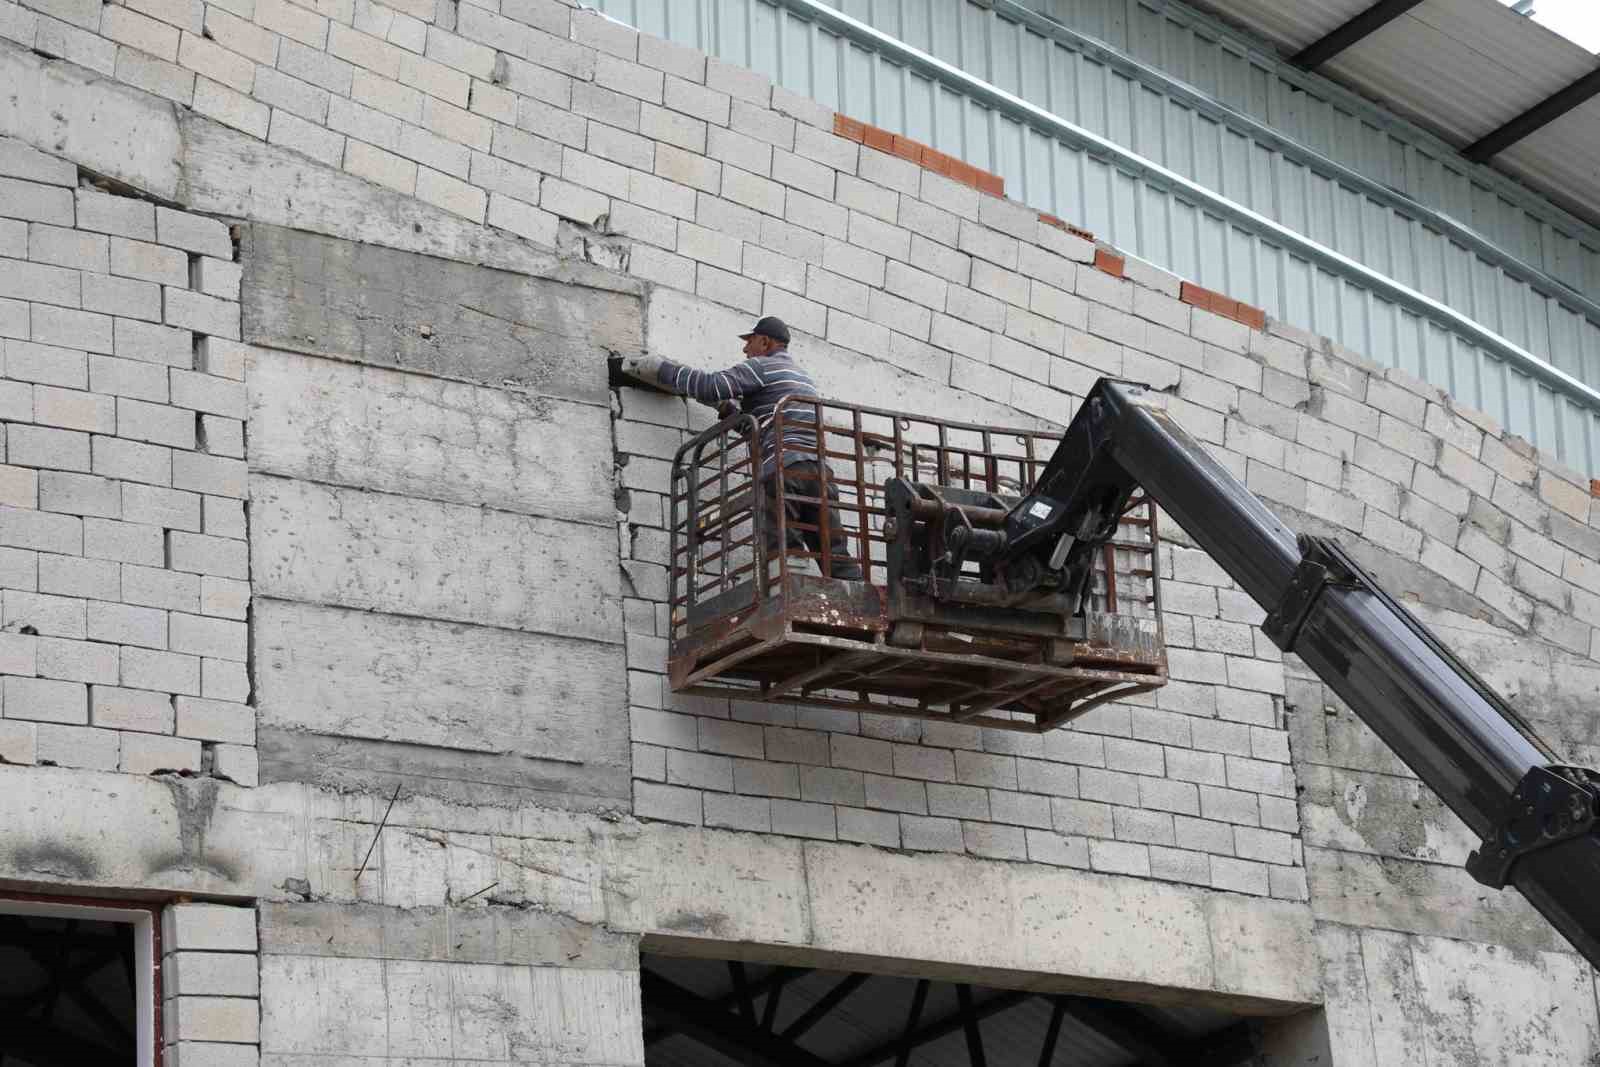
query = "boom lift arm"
x=1536 y=818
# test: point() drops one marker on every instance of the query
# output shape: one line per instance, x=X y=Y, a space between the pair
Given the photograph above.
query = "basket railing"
x=739 y=531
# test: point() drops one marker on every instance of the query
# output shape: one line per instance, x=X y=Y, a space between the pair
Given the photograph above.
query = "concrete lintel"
x=496 y=934
x=832 y=904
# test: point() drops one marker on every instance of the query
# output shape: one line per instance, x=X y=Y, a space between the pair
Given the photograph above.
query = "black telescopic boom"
x=1456 y=734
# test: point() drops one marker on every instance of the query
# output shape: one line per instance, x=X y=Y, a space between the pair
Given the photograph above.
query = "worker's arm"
x=712 y=388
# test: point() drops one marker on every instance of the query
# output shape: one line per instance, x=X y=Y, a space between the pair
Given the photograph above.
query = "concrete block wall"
x=723 y=198
x=729 y=197
x=124 y=572
x=210 y=986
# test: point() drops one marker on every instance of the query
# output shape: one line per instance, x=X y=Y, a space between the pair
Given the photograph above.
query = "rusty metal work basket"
x=780 y=585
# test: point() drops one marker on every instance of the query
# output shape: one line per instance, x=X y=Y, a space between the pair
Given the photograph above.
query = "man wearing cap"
x=755 y=386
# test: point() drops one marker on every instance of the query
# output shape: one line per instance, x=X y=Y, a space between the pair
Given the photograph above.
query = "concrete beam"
x=681 y=889
x=328 y=421
x=380 y=552
x=1426 y=898
x=484 y=934
x=368 y=304
x=468 y=704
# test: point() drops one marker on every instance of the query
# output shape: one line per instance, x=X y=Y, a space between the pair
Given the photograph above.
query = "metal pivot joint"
x=1550 y=805
x=1322 y=563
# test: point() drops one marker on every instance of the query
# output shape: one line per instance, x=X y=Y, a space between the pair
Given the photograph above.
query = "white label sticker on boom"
x=1040 y=510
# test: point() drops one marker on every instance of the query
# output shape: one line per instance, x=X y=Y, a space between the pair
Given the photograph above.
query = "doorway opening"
x=78 y=983
x=724 y=1013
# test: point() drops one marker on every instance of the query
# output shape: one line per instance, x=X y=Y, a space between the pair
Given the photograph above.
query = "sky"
x=1576 y=20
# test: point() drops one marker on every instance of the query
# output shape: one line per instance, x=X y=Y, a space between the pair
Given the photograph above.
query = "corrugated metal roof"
x=1289 y=25
x=876 y=1013
x=1461 y=68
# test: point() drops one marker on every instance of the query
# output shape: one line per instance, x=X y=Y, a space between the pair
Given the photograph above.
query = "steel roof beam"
x=1535 y=118
x=1124 y=1027
x=832 y=999
x=943 y=1028
x=769 y=985
x=1361 y=26
x=711 y=1025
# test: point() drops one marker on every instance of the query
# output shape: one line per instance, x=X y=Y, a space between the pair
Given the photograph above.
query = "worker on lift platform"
x=754 y=387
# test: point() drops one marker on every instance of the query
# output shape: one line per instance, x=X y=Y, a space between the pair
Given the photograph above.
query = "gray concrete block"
x=733 y=812
x=761 y=778
x=802 y=819
x=77 y=746
x=53 y=616
x=1165 y=795
x=1081 y=817
x=958 y=801
x=1058 y=849
x=1020 y=809
x=1229 y=805
x=18 y=742
x=868 y=827
x=211 y=1054
x=130 y=709
x=78 y=494
x=1203 y=835
x=223 y=1019
x=153 y=753
x=667 y=803
x=212 y=974
x=922 y=834
x=787 y=745
x=41 y=700
x=208 y=927
x=931 y=764
x=1042 y=776
x=995 y=842
x=896 y=794
x=1118 y=857
x=1241 y=876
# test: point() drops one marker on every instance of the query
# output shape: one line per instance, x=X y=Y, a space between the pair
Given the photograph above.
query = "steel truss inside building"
x=67 y=989
x=712 y=1013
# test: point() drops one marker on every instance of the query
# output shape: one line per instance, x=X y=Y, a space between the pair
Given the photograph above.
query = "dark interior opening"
x=724 y=1013
x=67 y=992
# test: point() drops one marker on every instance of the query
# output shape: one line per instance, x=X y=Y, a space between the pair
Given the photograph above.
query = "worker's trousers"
x=803 y=518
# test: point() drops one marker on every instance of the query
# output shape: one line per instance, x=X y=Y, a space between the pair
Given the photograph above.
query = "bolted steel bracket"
x=1550 y=805
x=1322 y=563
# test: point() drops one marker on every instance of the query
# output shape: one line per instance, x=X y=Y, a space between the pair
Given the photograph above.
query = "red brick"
x=1190 y=293
x=906 y=148
x=850 y=128
x=1051 y=220
x=1253 y=317
x=964 y=172
x=1594 y=486
x=937 y=161
x=1111 y=264
x=992 y=184
x=882 y=140
x=1078 y=231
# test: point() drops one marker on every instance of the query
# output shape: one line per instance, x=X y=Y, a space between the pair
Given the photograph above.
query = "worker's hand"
x=727 y=409
x=642 y=368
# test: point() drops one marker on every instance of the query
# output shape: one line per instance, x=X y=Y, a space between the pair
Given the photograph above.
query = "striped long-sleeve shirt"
x=757 y=384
